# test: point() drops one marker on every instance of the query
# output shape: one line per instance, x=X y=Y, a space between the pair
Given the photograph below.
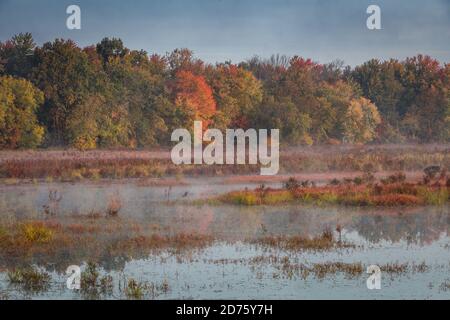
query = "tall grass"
x=94 y=165
x=36 y=233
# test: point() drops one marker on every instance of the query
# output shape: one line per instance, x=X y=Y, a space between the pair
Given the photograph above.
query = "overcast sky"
x=219 y=30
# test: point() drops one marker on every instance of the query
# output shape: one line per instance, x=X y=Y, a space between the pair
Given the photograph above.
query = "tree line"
x=107 y=95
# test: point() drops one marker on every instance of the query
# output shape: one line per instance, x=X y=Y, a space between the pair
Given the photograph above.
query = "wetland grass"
x=390 y=193
x=321 y=270
x=29 y=279
x=396 y=268
x=92 y=284
x=135 y=290
x=80 y=238
x=72 y=165
x=325 y=241
x=445 y=286
x=114 y=205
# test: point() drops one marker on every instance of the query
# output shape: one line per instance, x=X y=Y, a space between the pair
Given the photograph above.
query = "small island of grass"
x=434 y=189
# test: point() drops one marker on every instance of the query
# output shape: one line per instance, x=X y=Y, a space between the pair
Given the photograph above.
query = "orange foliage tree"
x=191 y=92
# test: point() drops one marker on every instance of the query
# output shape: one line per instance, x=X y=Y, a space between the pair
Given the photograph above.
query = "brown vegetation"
x=93 y=165
x=325 y=241
x=83 y=237
x=360 y=191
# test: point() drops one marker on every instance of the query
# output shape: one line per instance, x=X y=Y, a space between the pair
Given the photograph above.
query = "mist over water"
x=236 y=264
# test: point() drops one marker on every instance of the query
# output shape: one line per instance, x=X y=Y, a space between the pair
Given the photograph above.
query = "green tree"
x=382 y=84
x=16 y=55
x=430 y=109
x=271 y=72
x=184 y=60
x=141 y=88
x=410 y=96
x=334 y=99
x=111 y=48
x=236 y=91
x=98 y=123
x=447 y=113
x=66 y=76
x=293 y=124
x=425 y=98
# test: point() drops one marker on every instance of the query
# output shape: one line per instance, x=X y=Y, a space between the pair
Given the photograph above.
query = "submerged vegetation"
x=92 y=285
x=289 y=269
x=91 y=238
x=109 y=249
x=325 y=241
x=29 y=279
x=136 y=290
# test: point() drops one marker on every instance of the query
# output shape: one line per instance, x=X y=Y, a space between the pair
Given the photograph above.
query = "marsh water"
x=235 y=265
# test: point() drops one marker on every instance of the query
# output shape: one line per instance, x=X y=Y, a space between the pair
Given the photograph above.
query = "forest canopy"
x=107 y=95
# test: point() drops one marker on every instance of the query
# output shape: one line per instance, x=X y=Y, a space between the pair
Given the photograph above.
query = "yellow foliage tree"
x=360 y=121
x=19 y=101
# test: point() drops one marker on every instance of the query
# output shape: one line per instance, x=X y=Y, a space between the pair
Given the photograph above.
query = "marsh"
x=179 y=249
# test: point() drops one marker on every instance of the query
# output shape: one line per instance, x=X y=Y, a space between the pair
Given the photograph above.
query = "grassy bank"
x=392 y=191
x=72 y=165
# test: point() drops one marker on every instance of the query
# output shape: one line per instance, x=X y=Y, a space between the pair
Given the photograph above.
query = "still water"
x=234 y=265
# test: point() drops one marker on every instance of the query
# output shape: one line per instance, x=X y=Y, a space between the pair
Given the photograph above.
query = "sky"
x=222 y=30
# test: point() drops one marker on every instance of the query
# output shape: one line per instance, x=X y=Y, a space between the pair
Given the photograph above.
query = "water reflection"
x=416 y=225
x=411 y=235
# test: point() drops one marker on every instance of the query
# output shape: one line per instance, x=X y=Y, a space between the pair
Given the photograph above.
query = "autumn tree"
x=426 y=118
x=334 y=99
x=271 y=72
x=184 y=60
x=332 y=72
x=19 y=101
x=98 y=123
x=237 y=93
x=83 y=124
x=192 y=93
x=360 y=121
x=107 y=95
x=410 y=96
x=447 y=113
x=424 y=103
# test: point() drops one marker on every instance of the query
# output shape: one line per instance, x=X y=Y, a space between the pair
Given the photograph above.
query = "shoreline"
x=228 y=179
